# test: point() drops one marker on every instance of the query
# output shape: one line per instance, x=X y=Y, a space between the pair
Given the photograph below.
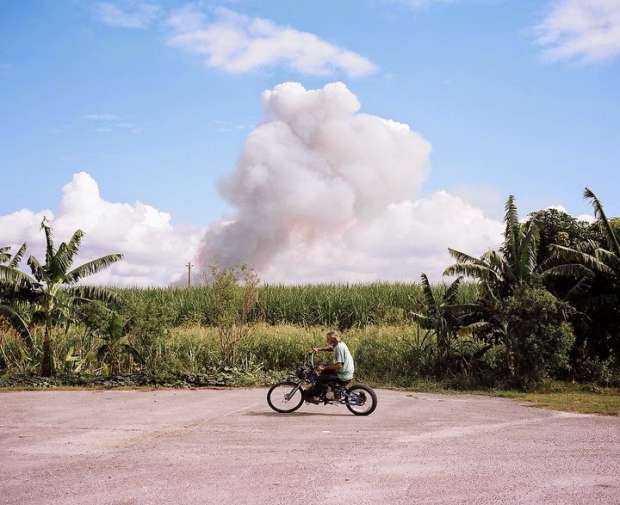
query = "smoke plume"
x=322 y=191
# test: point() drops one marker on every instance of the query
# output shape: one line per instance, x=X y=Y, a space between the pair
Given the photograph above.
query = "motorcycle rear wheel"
x=361 y=400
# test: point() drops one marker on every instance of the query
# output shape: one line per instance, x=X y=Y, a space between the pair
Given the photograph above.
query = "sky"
x=137 y=121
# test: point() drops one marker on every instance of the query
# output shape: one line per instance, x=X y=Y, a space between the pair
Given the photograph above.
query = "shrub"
x=539 y=338
x=233 y=296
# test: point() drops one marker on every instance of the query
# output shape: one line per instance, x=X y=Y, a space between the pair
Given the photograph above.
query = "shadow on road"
x=293 y=414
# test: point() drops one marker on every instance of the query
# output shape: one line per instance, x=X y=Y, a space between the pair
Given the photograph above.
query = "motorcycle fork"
x=290 y=395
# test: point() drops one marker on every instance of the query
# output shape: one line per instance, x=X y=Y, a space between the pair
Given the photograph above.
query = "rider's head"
x=332 y=338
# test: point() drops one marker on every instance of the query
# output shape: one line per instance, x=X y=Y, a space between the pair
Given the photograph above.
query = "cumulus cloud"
x=133 y=15
x=238 y=43
x=322 y=192
x=582 y=30
x=155 y=250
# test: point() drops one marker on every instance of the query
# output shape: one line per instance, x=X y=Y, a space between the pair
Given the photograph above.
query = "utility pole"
x=189 y=274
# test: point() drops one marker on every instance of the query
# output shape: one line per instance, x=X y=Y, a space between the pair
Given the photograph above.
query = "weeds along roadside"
x=386 y=354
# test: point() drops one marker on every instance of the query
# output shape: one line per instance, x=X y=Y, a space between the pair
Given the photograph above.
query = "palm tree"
x=588 y=259
x=55 y=285
x=515 y=264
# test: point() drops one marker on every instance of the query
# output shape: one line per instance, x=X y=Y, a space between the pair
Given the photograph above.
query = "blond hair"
x=333 y=333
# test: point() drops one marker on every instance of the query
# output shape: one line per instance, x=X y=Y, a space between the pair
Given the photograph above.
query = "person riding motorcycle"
x=341 y=370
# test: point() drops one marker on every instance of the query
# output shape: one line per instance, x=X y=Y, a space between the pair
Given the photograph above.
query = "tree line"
x=546 y=303
x=550 y=297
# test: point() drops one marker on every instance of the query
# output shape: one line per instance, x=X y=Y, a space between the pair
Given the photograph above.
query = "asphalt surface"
x=227 y=447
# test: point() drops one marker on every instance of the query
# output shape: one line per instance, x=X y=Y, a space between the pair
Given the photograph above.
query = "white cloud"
x=237 y=44
x=134 y=15
x=558 y=207
x=323 y=192
x=581 y=30
x=588 y=218
x=155 y=249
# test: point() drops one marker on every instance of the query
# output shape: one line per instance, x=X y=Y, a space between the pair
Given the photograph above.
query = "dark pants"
x=323 y=380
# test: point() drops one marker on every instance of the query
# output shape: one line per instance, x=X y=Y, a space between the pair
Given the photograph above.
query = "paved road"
x=227 y=447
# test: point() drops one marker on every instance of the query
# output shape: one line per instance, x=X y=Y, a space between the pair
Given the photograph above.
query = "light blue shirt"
x=343 y=355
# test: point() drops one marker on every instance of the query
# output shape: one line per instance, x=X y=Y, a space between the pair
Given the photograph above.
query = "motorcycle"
x=288 y=396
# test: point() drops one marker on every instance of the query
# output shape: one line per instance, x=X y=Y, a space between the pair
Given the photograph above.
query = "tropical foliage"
x=52 y=288
x=441 y=314
x=115 y=345
x=546 y=304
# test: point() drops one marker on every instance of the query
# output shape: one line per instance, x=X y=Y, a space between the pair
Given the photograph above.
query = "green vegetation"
x=571 y=398
x=51 y=293
x=546 y=305
x=330 y=305
x=399 y=356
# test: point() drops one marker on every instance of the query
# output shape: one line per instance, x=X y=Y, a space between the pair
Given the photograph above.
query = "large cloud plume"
x=324 y=192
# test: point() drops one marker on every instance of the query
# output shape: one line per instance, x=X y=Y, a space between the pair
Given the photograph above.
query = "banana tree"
x=437 y=314
x=115 y=344
x=12 y=292
x=54 y=284
x=501 y=272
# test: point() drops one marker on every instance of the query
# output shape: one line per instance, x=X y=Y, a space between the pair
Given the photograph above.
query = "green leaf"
x=103 y=351
x=610 y=259
x=37 y=270
x=128 y=348
x=574 y=270
x=452 y=291
x=17 y=257
x=92 y=267
x=5 y=255
x=49 y=241
x=612 y=240
x=511 y=219
x=18 y=324
x=424 y=321
x=92 y=294
x=15 y=278
x=427 y=290
x=66 y=252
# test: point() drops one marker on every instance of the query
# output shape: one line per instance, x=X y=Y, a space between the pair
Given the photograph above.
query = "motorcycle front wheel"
x=285 y=397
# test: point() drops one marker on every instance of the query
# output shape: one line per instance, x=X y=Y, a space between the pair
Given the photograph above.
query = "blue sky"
x=467 y=76
x=154 y=122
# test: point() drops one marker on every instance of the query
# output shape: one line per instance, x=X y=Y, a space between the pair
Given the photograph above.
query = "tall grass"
x=173 y=330
x=343 y=305
x=396 y=355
